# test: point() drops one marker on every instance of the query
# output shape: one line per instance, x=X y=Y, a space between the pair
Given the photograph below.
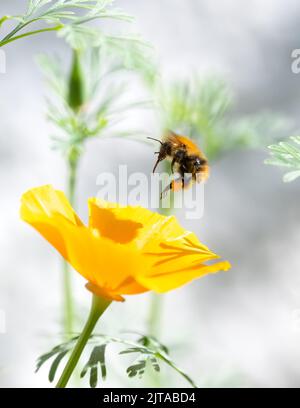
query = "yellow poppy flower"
x=123 y=250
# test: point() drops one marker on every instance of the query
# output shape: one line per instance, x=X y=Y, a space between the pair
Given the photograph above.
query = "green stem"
x=68 y=301
x=154 y=317
x=156 y=301
x=10 y=38
x=99 y=305
x=18 y=28
x=72 y=177
x=73 y=156
x=67 y=281
x=155 y=310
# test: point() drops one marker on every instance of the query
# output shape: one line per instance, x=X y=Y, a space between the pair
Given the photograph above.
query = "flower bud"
x=76 y=83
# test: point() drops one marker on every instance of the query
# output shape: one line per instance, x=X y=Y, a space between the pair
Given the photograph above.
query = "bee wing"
x=172 y=138
x=179 y=141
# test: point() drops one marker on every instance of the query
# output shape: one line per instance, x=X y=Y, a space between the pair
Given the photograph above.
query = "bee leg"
x=161 y=156
x=165 y=191
x=187 y=182
x=156 y=164
x=173 y=164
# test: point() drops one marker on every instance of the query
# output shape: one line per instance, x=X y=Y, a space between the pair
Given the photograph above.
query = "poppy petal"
x=48 y=211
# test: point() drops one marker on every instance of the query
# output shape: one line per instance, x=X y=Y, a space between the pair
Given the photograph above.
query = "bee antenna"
x=152 y=138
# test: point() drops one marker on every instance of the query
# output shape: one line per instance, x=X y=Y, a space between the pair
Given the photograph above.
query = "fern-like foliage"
x=203 y=108
x=57 y=353
x=286 y=155
x=97 y=358
x=96 y=78
x=146 y=351
x=68 y=17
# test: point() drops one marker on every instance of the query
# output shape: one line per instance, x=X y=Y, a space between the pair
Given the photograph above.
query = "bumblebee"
x=187 y=160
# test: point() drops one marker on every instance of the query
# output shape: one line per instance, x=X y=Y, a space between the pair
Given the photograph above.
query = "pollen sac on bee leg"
x=177 y=183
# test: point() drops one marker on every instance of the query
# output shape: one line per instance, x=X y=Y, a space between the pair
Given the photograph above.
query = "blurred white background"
x=240 y=327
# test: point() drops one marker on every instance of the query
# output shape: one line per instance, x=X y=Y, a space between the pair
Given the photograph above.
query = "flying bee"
x=186 y=159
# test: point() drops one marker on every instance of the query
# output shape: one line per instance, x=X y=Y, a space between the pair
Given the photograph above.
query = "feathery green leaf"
x=285 y=154
x=149 y=351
